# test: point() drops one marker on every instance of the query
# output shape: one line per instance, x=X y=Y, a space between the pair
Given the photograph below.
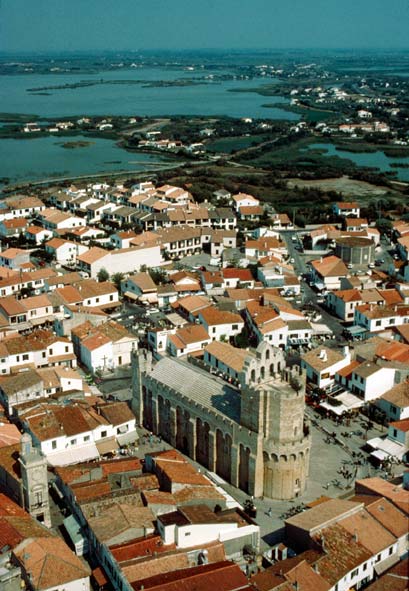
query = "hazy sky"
x=37 y=25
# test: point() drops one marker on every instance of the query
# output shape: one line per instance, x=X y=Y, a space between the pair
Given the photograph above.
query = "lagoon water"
x=368 y=159
x=33 y=159
x=135 y=99
x=45 y=157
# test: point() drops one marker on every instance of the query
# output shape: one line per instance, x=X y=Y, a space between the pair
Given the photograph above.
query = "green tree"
x=295 y=384
x=384 y=225
x=116 y=279
x=102 y=275
x=158 y=276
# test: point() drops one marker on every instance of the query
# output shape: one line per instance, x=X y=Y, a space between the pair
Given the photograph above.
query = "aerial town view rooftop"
x=204 y=297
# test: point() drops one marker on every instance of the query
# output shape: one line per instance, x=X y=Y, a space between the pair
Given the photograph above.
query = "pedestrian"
x=269 y=512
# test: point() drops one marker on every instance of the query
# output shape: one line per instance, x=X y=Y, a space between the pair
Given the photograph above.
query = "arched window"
x=267 y=354
x=262 y=372
x=253 y=375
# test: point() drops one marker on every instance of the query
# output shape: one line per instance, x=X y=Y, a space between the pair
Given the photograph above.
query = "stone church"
x=254 y=436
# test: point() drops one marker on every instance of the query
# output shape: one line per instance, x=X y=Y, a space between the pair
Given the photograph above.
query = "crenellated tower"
x=273 y=405
x=141 y=360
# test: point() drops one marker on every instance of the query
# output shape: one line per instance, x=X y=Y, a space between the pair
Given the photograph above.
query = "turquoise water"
x=371 y=159
x=43 y=158
x=134 y=99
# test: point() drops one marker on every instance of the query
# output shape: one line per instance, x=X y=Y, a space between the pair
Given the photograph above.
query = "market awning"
x=383 y=566
x=125 y=438
x=387 y=447
x=106 y=446
x=379 y=455
x=356 y=330
x=73 y=456
x=131 y=296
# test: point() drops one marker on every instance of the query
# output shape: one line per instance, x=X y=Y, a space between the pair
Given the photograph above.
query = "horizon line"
x=199 y=50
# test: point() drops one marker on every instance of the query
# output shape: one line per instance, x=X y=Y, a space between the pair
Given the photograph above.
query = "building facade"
x=254 y=436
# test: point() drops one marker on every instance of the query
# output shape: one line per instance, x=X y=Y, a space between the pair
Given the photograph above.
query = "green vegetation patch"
x=231 y=144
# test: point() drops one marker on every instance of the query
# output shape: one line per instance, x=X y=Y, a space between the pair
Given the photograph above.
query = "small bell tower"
x=33 y=466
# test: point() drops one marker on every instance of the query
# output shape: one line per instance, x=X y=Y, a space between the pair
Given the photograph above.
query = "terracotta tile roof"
x=158 y=497
x=241 y=196
x=9 y=434
x=116 y=413
x=348 y=369
x=120 y=466
x=342 y=553
x=212 y=277
x=368 y=531
x=16 y=223
x=315 y=360
x=92 y=255
x=39 y=301
x=35 y=341
x=227 y=354
x=223 y=576
x=377 y=486
x=348 y=295
x=57 y=243
x=267 y=244
x=9 y=456
x=23 y=202
x=376 y=312
x=389 y=516
x=15 y=278
x=391 y=296
x=93 y=337
x=347 y=205
x=12 y=306
x=24 y=379
x=402 y=425
x=50 y=562
x=320 y=515
x=190 y=334
x=241 y=274
x=393 y=351
x=330 y=266
x=11 y=253
x=187 y=287
x=398 y=395
x=140 y=548
x=145 y=482
x=251 y=210
x=9 y=508
x=213 y=316
x=193 y=303
x=91 y=490
x=120 y=518
x=51 y=421
x=89 y=288
x=144 y=281
x=396 y=579
x=69 y=294
x=162 y=564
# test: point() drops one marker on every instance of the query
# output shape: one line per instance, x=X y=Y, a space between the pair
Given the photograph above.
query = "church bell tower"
x=33 y=466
